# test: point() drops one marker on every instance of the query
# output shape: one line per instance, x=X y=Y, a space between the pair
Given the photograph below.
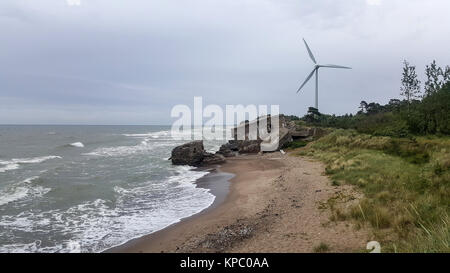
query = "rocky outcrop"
x=289 y=130
x=299 y=130
x=194 y=154
x=249 y=146
x=212 y=159
x=234 y=147
x=229 y=149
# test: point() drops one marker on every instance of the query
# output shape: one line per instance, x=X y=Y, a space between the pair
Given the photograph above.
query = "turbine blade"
x=309 y=51
x=307 y=79
x=335 y=66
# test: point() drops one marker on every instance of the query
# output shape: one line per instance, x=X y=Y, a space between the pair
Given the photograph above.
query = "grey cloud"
x=139 y=58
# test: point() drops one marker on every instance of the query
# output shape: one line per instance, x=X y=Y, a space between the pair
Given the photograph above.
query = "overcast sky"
x=131 y=61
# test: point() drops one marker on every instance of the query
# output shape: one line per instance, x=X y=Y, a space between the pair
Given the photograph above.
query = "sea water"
x=89 y=188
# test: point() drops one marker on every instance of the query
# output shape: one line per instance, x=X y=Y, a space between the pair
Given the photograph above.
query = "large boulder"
x=194 y=154
x=191 y=153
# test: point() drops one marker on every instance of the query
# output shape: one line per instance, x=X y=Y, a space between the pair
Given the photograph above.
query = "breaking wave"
x=143 y=147
x=22 y=190
x=151 y=135
x=97 y=225
x=7 y=165
x=77 y=145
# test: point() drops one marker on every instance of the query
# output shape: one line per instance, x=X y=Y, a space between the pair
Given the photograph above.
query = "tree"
x=436 y=78
x=363 y=107
x=393 y=105
x=432 y=84
x=374 y=108
x=312 y=115
x=446 y=76
x=410 y=88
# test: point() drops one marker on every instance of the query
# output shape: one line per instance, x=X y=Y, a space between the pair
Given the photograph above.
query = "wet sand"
x=272 y=203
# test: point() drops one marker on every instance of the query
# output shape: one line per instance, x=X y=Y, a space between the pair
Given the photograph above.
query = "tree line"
x=418 y=113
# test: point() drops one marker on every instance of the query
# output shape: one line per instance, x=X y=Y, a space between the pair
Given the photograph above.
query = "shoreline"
x=271 y=205
x=222 y=174
x=216 y=181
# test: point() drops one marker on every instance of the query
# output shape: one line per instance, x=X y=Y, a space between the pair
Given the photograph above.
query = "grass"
x=405 y=181
x=322 y=248
x=335 y=183
x=296 y=144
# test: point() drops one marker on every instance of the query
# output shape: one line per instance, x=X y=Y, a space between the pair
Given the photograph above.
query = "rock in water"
x=188 y=154
x=194 y=154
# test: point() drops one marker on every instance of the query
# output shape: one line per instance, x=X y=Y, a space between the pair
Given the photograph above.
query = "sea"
x=90 y=188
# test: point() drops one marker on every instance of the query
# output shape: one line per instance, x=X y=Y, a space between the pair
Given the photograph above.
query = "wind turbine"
x=316 y=71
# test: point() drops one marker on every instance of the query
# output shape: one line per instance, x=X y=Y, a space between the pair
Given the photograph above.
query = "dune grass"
x=321 y=248
x=405 y=182
x=295 y=144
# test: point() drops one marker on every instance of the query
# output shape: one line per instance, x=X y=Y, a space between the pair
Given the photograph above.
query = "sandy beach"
x=272 y=203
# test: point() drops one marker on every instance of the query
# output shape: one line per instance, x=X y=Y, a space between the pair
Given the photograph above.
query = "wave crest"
x=16 y=162
x=22 y=190
x=77 y=144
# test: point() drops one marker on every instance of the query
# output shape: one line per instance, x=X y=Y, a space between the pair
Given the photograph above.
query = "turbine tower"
x=316 y=71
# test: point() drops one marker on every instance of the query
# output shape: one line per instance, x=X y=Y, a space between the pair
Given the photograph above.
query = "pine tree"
x=363 y=107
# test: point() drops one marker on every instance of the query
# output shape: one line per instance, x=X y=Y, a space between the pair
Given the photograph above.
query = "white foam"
x=9 y=167
x=151 y=134
x=15 y=162
x=199 y=133
x=22 y=248
x=143 y=147
x=96 y=225
x=30 y=179
x=77 y=144
x=100 y=224
x=11 y=196
x=22 y=190
x=29 y=160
